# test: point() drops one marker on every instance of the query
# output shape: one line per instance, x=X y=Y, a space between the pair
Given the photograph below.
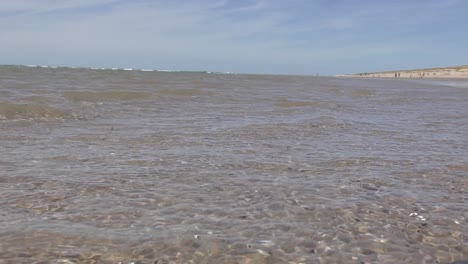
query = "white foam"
x=123 y=69
x=232 y=73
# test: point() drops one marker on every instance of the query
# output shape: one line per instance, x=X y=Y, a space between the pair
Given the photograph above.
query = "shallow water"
x=101 y=166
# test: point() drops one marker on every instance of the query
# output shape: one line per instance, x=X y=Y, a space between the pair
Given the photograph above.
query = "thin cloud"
x=243 y=35
x=29 y=7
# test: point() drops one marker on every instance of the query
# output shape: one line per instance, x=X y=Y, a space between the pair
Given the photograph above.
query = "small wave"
x=89 y=96
x=326 y=122
x=457 y=84
x=289 y=103
x=363 y=93
x=230 y=73
x=184 y=92
x=37 y=99
x=10 y=111
x=449 y=83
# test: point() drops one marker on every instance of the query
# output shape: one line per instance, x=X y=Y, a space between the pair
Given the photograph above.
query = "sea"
x=139 y=166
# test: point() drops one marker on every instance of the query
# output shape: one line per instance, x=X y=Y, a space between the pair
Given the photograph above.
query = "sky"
x=323 y=37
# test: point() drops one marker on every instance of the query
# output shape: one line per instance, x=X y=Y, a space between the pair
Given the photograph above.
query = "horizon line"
x=154 y=70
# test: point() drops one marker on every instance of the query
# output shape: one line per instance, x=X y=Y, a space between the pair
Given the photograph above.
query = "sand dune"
x=457 y=72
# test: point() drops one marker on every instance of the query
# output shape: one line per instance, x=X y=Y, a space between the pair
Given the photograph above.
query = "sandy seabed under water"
x=102 y=166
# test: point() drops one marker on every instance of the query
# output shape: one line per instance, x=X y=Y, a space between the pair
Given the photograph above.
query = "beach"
x=459 y=72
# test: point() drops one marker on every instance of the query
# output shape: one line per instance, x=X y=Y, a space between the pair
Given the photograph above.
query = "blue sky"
x=253 y=36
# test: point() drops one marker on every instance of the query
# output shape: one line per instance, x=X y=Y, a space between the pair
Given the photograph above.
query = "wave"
x=450 y=83
x=94 y=68
x=105 y=96
x=11 y=111
x=184 y=92
x=289 y=103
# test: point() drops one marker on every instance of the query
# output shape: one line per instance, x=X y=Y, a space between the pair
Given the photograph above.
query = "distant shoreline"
x=456 y=72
